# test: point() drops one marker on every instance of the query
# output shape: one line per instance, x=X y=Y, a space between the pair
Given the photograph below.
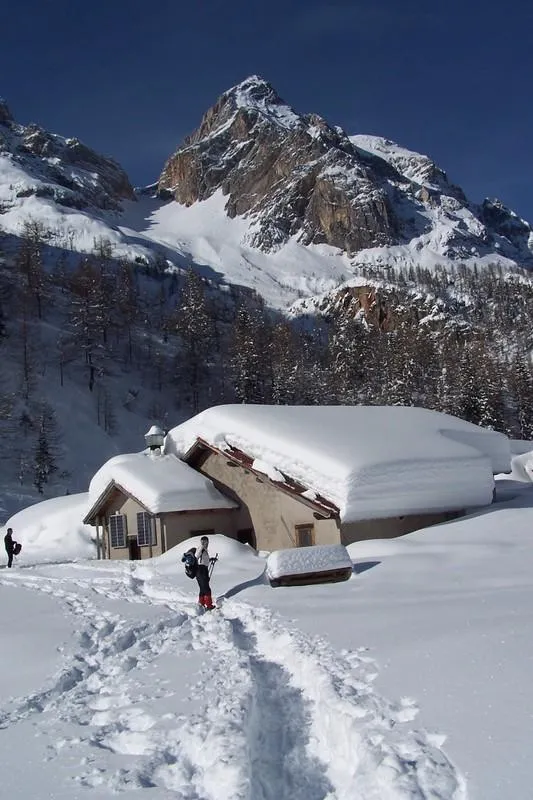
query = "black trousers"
x=202 y=576
x=9 y=558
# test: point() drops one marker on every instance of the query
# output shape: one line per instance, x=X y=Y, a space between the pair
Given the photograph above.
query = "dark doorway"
x=135 y=550
x=247 y=536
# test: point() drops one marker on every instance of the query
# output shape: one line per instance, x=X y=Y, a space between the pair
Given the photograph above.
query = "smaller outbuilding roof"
x=161 y=483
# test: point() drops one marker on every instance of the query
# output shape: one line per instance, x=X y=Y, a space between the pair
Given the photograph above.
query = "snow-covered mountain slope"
x=259 y=196
x=413 y=166
x=218 y=246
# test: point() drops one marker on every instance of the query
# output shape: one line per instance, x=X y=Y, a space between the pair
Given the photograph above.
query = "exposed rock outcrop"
x=64 y=170
x=296 y=175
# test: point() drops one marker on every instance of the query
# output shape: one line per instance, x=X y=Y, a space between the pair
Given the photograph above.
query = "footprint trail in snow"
x=232 y=705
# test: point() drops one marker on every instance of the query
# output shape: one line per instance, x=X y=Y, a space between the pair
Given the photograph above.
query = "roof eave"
x=91 y=515
x=102 y=499
x=323 y=506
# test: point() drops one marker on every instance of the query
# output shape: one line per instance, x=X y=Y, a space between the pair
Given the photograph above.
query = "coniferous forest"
x=457 y=341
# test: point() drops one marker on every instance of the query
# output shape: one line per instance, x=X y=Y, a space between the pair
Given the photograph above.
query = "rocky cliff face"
x=296 y=175
x=35 y=162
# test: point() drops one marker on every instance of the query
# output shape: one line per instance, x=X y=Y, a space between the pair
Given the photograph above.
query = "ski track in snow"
x=282 y=715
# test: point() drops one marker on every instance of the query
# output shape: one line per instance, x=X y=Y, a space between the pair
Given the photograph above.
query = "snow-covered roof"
x=161 y=483
x=369 y=461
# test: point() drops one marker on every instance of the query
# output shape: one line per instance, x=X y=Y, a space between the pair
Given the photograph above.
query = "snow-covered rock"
x=64 y=171
x=313 y=561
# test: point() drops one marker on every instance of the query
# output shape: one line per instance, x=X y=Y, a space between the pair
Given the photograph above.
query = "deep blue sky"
x=451 y=78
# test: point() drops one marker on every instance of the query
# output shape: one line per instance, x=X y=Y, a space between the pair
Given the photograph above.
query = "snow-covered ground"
x=410 y=680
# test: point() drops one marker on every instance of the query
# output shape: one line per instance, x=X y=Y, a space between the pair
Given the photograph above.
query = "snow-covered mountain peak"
x=37 y=164
x=281 y=202
x=414 y=166
x=295 y=175
x=257 y=95
x=252 y=92
x=290 y=173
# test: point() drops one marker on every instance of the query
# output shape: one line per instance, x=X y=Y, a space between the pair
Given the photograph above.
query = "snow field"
x=278 y=696
x=353 y=731
x=224 y=705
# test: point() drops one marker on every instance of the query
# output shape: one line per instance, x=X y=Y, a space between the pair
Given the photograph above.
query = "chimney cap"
x=155 y=438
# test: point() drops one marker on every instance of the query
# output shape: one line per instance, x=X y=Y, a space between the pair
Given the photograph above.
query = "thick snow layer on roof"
x=160 y=482
x=521 y=467
x=303 y=560
x=268 y=470
x=370 y=461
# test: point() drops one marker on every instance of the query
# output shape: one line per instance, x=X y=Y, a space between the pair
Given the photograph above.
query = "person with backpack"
x=12 y=547
x=202 y=574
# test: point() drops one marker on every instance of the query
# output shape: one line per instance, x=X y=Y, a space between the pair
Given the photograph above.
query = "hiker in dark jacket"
x=9 y=545
x=202 y=575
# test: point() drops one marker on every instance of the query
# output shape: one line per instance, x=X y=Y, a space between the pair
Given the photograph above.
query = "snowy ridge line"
x=352 y=729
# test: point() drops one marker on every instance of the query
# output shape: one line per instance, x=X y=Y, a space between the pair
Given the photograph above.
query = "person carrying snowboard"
x=9 y=544
x=202 y=574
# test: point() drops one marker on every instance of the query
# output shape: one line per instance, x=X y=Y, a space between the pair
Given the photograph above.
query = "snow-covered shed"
x=328 y=474
x=142 y=504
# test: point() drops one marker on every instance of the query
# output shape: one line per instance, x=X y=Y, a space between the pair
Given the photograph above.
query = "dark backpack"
x=17 y=547
x=191 y=563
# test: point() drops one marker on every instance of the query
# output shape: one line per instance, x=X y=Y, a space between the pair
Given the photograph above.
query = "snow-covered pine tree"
x=349 y=356
x=286 y=364
x=88 y=312
x=521 y=395
x=195 y=328
x=249 y=367
x=45 y=453
x=126 y=298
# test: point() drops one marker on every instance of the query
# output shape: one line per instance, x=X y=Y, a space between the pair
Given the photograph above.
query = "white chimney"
x=155 y=439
